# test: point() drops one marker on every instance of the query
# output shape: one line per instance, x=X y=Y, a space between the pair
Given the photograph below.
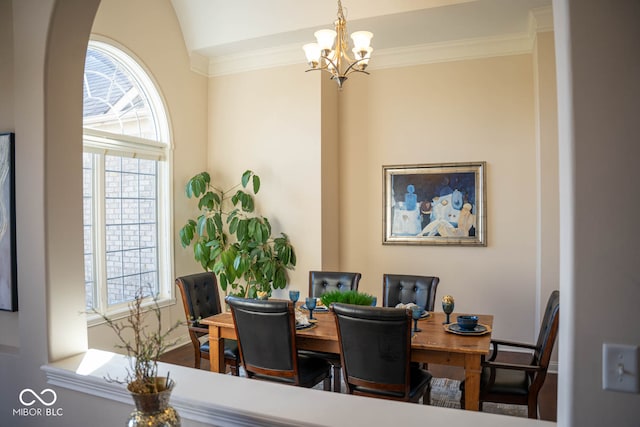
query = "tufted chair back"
x=402 y=288
x=267 y=340
x=200 y=299
x=321 y=282
x=199 y=296
x=375 y=347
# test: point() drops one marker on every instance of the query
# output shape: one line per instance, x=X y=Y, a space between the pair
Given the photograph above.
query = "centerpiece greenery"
x=346 y=297
x=231 y=240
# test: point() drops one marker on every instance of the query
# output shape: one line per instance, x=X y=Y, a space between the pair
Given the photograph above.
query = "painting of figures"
x=8 y=290
x=435 y=204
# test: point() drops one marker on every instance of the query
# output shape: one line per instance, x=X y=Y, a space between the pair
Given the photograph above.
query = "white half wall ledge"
x=225 y=400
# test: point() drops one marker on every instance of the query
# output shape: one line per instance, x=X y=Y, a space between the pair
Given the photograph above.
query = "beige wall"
x=548 y=204
x=477 y=110
x=157 y=41
x=270 y=121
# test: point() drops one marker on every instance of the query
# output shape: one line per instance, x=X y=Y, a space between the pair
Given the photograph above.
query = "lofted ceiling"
x=223 y=36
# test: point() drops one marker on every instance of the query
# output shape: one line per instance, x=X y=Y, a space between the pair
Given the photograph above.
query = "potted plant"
x=234 y=242
x=144 y=341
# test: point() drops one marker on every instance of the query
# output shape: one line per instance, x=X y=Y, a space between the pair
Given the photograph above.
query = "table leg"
x=472 y=372
x=216 y=350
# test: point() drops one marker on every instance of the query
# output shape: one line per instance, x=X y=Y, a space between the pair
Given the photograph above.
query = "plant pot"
x=153 y=409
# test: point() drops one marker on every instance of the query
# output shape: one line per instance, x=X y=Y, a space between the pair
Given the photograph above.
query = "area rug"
x=445 y=392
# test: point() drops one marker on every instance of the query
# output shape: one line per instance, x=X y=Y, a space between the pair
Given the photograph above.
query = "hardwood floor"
x=547 y=399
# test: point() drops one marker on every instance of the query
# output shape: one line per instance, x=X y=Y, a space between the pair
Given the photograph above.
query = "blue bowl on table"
x=467 y=322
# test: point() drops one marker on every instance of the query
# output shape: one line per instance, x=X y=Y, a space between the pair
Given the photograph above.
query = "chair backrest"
x=266 y=336
x=200 y=295
x=375 y=348
x=403 y=288
x=548 y=331
x=321 y=282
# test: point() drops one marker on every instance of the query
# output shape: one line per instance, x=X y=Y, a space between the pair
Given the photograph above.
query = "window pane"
x=131 y=230
x=114 y=99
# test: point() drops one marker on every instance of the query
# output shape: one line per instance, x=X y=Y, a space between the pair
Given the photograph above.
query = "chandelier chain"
x=340 y=13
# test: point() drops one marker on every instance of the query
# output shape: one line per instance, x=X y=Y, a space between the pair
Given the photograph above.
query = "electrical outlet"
x=620 y=368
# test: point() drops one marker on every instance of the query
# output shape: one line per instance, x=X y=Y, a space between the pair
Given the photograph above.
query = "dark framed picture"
x=8 y=265
x=435 y=204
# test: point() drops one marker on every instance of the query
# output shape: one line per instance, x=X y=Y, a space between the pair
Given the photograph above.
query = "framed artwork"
x=435 y=204
x=8 y=265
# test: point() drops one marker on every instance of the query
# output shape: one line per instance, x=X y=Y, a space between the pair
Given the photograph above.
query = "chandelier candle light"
x=334 y=59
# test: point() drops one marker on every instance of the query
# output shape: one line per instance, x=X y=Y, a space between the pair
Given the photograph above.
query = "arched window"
x=126 y=166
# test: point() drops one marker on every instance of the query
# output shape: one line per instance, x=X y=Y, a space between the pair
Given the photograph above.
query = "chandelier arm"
x=350 y=68
x=334 y=64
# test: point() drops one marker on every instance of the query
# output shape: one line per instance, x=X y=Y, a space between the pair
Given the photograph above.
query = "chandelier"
x=334 y=57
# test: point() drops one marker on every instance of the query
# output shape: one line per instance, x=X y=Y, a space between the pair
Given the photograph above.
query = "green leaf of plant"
x=202 y=225
x=245 y=178
x=201 y=254
x=248 y=205
x=236 y=262
x=242 y=230
x=223 y=281
x=266 y=232
x=256 y=184
x=217 y=219
x=210 y=228
x=234 y=225
x=186 y=234
x=280 y=279
x=258 y=232
x=216 y=199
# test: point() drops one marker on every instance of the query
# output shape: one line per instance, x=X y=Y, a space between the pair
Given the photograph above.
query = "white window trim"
x=101 y=141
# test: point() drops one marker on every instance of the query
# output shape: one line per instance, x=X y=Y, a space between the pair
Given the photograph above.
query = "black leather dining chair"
x=321 y=282
x=520 y=384
x=375 y=348
x=266 y=331
x=200 y=299
x=404 y=288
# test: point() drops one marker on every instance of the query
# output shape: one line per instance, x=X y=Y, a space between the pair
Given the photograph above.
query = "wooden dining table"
x=433 y=344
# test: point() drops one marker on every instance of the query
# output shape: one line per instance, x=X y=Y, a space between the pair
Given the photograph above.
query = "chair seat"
x=420 y=379
x=311 y=371
x=230 y=348
x=508 y=381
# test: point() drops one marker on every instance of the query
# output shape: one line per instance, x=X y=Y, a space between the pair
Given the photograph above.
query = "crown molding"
x=540 y=20
x=199 y=63
x=513 y=44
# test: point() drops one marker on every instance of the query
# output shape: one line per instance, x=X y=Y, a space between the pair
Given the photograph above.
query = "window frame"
x=106 y=143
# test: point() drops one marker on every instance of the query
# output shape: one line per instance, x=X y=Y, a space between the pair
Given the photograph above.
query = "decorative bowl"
x=467 y=322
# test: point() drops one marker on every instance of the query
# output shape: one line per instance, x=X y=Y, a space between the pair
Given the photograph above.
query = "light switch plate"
x=620 y=368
